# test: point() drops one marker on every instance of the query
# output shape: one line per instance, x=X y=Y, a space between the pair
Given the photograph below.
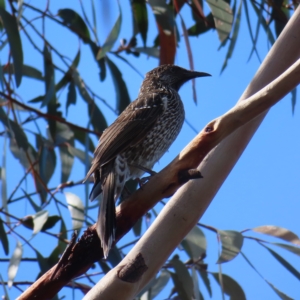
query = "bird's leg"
x=142 y=181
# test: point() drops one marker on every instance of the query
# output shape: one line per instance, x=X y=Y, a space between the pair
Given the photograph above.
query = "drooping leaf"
x=112 y=37
x=157 y=285
x=81 y=155
x=294 y=99
x=231 y=287
x=74 y=21
x=283 y=262
x=80 y=137
x=61 y=245
x=71 y=96
x=27 y=71
x=69 y=74
x=76 y=209
x=280 y=14
x=14 y=263
x=293 y=249
x=47 y=162
x=15 y=129
x=39 y=220
x=253 y=39
x=67 y=161
x=140 y=17
x=3 y=238
x=278 y=292
x=202 y=26
x=223 y=17
x=101 y=62
x=182 y=279
x=123 y=99
x=232 y=242
x=263 y=22
x=197 y=295
x=51 y=222
x=11 y=26
x=234 y=37
x=114 y=256
x=97 y=119
x=206 y=281
x=150 y=51
x=49 y=78
x=20 y=154
x=104 y=266
x=194 y=243
x=279 y=232
x=164 y=16
x=43 y=263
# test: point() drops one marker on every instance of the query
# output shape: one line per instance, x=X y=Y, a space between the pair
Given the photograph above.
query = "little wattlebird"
x=136 y=140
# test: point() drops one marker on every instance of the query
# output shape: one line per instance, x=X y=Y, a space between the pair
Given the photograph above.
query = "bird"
x=136 y=140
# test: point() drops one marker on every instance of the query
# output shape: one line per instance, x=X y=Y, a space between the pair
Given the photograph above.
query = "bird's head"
x=173 y=76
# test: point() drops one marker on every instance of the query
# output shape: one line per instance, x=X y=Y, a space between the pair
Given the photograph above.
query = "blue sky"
x=262 y=189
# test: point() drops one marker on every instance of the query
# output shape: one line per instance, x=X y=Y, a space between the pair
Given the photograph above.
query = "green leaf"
x=51 y=222
x=197 y=295
x=67 y=161
x=71 y=97
x=279 y=232
x=112 y=37
x=43 y=263
x=294 y=99
x=19 y=135
x=114 y=256
x=280 y=294
x=231 y=287
x=137 y=227
x=27 y=71
x=101 y=62
x=182 y=279
x=232 y=242
x=20 y=154
x=123 y=99
x=157 y=285
x=47 y=162
x=202 y=26
x=3 y=238
x=150 y=51
x=97 y=119
x=195 y=243
x=81 y=155
x=80 y=136
x=164 y=15
x=234 y=37
x=223 y=17
x=39 y=220
x=69 y=74
x=140 y=18
x=74 y=21
x=13 y=35
x=281 y=260
x=49 y=78
x=293 y=249
x=206 y=281
x=262 y=21
x=14 y=263
x=76 y=209
x=15 y=129
x=253 y=39
x=104 y=266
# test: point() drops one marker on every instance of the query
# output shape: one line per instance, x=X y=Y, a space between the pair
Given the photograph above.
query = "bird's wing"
x=129 y=128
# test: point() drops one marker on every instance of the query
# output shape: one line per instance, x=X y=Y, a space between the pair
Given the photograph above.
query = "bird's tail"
x=106 y=223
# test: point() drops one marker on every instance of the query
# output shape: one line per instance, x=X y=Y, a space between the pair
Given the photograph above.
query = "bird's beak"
x=195 y=74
